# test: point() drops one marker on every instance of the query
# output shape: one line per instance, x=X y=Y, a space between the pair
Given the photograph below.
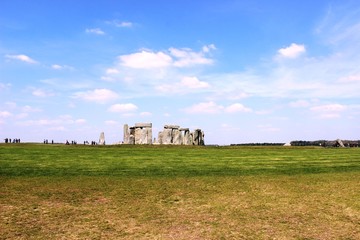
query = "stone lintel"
x=143 y=125
x=169 y=126
x=183 y=129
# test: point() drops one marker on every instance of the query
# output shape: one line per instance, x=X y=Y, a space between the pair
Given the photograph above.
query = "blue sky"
x=242 y=71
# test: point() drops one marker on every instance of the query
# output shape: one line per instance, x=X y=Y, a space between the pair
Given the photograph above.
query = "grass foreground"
x=178 y=192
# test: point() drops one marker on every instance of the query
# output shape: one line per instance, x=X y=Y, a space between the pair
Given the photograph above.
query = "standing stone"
x=191 y=138
x=102 y=139
x=176 y=135
x=149 y=136
x=126 y=134
x=160 y=137
x=138 y=133
x=167 y=136
x=144 y=136
x=186 y=136
x=202 y=141
x=196 y=137
x=131 y=139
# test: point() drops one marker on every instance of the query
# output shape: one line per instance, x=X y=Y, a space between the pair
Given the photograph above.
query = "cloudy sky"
x=243 y=71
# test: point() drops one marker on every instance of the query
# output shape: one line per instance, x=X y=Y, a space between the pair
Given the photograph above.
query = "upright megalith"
x=141 y=133
x=186 y=138
x=102 y=139
x=126 y=134
x=166 y=136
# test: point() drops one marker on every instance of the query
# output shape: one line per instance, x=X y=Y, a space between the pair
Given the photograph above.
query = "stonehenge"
x=141 y=133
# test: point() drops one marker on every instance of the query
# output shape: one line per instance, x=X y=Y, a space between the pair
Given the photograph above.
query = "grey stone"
x=186 y=138
x=138 y=135
x=126 y=134
x=131 y=139
x=169 y=126
x=143 y=125
x=176 y=136
x=167 y=136
x=160 y=137
x=102 y=139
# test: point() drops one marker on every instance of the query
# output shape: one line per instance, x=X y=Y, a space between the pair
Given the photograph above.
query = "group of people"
x=47 y=141
x=72 y=142
x=92 y=143
x=15 y=140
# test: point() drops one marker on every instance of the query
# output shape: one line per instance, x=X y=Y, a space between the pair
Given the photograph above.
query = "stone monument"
x=141 y=133
x=173 y=134
x=102 y=139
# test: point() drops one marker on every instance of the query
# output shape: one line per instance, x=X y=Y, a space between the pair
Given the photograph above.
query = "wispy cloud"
x=123 y=108
x=21 y=57
x=97 y=95
x=214 y=108
x=186 y=84
x=42 y=93
x=187 y=58
x=329 y=110
x=58 y=124
x=5 y=114
x=61 y=67
x=120 y=24
x=96 y=31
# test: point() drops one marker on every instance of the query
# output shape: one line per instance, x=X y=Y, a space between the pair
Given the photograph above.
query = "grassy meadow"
x=178 y=192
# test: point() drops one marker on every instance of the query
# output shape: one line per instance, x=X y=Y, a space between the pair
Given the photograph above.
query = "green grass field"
x=178 y=192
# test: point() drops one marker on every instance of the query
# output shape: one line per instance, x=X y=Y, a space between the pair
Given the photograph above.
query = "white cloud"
x=293 y=51
x=97 y=95
x=111 y=122
x=22 y=58
x=112 y=71
x=42 y=93
x=120 y=24
x=61 y=67
x=212 y=108
x=205 y=107
x=126 y=107
x=186 y=84
x=107 y=79
x=187 y=58
x=299 y=104
x=237 y=107
x=193 y=82
x=145 y=114
x=124 y=24
x=175 y=57
x=146 y=60
x=80 y=121
x=54 y=124
x=329 y=110
x=4 y=86
x=268 y=128
x=28 y=109
x=96 y=31
x=56 y=66
x=5 y=114
x=350 y=79
x=208 y=48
